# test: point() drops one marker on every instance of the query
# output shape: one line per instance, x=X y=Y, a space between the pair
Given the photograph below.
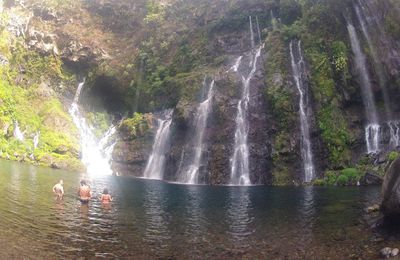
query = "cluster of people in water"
x=84 y=192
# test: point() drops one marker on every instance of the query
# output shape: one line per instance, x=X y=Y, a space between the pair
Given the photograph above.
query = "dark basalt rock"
x=219 y=134
x=371 y=179
x=133 y=148
x=390 y=205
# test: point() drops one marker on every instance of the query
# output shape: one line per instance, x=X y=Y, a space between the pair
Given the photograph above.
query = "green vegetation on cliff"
x=150 y=55
x=36 y=114
x=345 y=177
x=279 y=93
x=27 y=98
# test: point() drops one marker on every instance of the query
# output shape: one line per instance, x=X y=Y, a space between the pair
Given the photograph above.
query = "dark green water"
x=151 y=219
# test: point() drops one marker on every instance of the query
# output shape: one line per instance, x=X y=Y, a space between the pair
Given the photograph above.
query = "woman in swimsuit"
x=105 y=197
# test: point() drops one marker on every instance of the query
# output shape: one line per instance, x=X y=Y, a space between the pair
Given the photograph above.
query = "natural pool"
x=151 y=219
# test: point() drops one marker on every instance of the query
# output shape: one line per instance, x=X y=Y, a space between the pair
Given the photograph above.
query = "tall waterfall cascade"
x=298 y=68
x=370 y=24
x=156 y=162
x=373 y=129
x=376 y=61
x=96 y=153
x=190 y=175
x=240 y=173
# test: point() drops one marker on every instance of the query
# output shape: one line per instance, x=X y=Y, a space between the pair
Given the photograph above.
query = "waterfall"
x=155 y=165
x=105 y=145
x=240 y=173
x=78 y=92
x=372 y=130
x=298 y=68
x=96 y=154
x=35 y=144
x=376 y=62
x=36 y=140
x=17 y=132
x=371 y=23
x=378 y=22
x=394 y=127
x=235 y=67
x=251 y=34
x=190 y=175
x=372 y=137
x=240 y=159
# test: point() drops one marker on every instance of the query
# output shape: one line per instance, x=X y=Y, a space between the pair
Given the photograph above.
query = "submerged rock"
x=373 y=208
x=386 y=252
x=391 y=191
x=395 y=252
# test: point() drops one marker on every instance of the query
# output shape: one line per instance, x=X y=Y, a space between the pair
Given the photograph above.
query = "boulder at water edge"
x=371 y=179
x=391 y=191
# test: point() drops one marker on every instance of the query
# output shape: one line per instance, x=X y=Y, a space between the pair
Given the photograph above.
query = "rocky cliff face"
x=220 y=130
x=133 y=146
x=149 y=56
x=390 y=190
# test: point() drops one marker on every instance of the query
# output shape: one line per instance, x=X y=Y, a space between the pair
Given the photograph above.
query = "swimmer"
x=84 y=192
x=58 y=189
x=106 y=197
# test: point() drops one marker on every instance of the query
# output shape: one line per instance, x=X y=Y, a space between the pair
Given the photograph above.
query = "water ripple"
x=150 y=219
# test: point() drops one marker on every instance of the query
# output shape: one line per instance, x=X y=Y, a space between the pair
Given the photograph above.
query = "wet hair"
x=83 y=182
x=105 y=191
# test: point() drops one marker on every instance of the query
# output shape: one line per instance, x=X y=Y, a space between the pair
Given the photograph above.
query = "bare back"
x=106 y=198
x=84 y=192
x=58 y=189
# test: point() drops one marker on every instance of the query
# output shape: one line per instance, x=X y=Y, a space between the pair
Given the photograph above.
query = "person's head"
x=83 y=183
x=61 y=182
x=105 y=191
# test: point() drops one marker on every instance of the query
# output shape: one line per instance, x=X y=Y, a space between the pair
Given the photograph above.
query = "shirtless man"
x=58 y=189
x=84 y=192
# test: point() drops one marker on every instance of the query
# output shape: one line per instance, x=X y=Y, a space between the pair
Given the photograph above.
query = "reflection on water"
x=238 y=214
x=306 y=216
x=156 y=233
x=195 y=223
x=152 y=219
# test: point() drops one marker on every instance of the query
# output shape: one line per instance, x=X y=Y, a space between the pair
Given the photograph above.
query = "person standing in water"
x=106 y=197
x=84 y=192
x=58 y=189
